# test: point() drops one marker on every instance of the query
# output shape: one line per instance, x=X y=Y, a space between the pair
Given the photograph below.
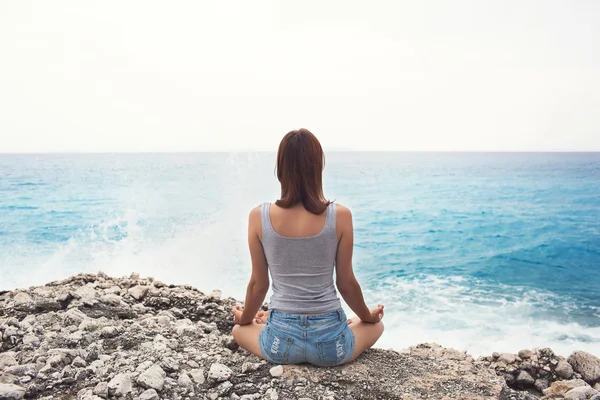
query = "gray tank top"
x=302 y=268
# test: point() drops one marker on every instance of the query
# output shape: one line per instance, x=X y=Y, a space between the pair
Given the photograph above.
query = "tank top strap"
x=265 y=217
x=330 y=218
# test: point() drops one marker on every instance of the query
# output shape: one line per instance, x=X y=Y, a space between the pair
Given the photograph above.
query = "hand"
x=261 y=317
x=237 y=314
x=376 y=314
x=238 y=311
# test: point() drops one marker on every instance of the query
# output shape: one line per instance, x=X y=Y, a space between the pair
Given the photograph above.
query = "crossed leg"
x=247 y=337
x=365 y=335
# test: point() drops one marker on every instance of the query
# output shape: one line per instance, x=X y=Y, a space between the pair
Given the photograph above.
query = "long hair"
x=300 y=163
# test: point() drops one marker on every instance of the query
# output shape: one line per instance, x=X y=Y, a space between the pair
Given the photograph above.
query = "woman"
x=300 y=240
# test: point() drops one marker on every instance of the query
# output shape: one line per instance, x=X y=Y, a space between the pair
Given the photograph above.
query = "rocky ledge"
x=94 y=337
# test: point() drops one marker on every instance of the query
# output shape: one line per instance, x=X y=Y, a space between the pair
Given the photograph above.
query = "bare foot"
x=261 y=317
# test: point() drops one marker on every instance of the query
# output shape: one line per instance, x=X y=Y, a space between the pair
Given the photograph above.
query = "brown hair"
x=300 y=163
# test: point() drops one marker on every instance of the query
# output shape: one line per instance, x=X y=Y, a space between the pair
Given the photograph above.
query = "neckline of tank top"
x=327 y=216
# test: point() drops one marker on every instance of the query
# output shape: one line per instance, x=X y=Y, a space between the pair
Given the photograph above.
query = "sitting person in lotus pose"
x=300 y=240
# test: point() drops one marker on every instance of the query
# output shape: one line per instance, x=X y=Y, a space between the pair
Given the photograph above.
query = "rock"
x=595 y=397
x=271 y=394
x=224 y=388
x=7 y=360
x=101 y=390
x=495 y=356
x=587 y=365
x=149 y=394
x=197 y=375
x=578 y=393
x=79 y=362
x=31 y=339
x=109 y=332
x=138 y=292
x=73 y=317
x=8 y=391
x=525 y=354
x=524 y=379
x=507 y=358
x=152 y=378
x=559 y=388
x=247 y=367
x=276 y=371
x=511 y=394
x=541 y=384
x=184 y=381
x=22 y=300
x=219 y=372
x=22 y=370
x=120 y=385
x=215 y=295
x=564 y=370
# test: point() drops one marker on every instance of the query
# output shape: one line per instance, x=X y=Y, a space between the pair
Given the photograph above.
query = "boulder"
x=587 y=365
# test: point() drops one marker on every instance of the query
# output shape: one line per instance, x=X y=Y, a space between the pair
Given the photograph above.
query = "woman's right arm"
x=346 y=282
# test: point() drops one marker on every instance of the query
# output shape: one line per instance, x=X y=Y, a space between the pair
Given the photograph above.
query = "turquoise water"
x=479 y=251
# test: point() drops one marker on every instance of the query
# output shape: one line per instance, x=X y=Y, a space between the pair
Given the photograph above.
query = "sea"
x=481 y=252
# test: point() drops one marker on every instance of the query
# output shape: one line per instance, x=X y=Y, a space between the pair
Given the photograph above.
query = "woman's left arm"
x=259 y=281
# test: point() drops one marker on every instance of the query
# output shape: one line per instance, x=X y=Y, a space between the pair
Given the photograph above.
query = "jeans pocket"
x=333 y=352
x=277 y=345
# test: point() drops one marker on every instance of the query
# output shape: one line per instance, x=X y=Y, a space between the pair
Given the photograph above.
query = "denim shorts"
x=323 y=340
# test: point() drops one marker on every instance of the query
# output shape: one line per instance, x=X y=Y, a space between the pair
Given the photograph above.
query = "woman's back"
x=300 y=249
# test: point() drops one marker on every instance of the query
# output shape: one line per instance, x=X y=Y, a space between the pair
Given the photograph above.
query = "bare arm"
x=259 y=281
x=346 y=282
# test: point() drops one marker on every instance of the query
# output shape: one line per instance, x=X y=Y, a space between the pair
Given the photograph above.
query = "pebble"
x=276 y=371
x=120 y=385
x=219 y=372
x=152 y=378
x=197 y=375
x=149 y=394
x=564 y=370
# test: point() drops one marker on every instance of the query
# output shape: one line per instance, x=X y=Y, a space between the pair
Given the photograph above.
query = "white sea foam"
x=456 y=314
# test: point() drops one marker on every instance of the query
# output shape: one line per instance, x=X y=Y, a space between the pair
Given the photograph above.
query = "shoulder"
x=343 y=213
x=254 y=216
x=255 y=222
x=343 y=223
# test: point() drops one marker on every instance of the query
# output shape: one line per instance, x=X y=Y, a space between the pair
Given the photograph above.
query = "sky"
x=94 y=76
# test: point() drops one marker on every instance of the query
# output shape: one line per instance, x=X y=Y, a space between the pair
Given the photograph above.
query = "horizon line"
x=275 y=151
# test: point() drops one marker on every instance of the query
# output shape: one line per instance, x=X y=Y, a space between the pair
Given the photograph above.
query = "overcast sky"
x=237 y=75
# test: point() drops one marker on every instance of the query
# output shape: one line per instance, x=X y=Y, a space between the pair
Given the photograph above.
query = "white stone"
x=8 y=391
x=215 y=295
x=31 y=339
x=120 y=385
x=86 y=292
x=507 y=358
x=185 y=381
x=73 y=316
x=109 y=332
x=197 y=375
x=271 y=394
x=7 y=360
x=22 y=299
x=149 y=394
x=101 y=389
x=79 y=362
x=152 y=378
x=138 y=292
x=579 y=393
x=276 y=371
x=219 y=372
